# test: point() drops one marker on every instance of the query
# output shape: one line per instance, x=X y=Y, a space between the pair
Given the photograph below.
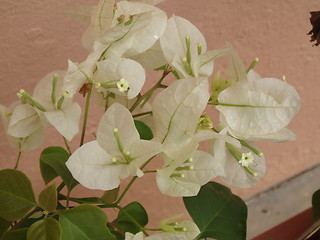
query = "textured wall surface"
x=36 y=39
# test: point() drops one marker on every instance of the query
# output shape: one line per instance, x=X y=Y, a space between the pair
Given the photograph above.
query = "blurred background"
x=36 y=38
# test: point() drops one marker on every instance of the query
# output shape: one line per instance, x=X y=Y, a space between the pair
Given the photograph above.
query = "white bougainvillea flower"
x=61 y=113
x=259 y=109
x=32 y=141
x=135 y=28
x=117 y=153
x=79 y=74
x=185 y=48
x=239 y=173
x=187 y=228
x=176 y=111
x=121 y=76
x=152 y=2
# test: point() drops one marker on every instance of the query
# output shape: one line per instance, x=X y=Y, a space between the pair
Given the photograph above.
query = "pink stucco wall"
x=36 y=39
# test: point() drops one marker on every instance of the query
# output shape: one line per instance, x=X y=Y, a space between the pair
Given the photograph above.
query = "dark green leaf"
x=218 y=213
x=316 y=205
x=110 y=196
x=144 y=130
x=4 y=225
x=16 y=195
x=52 y=164
x=85 y=222
x=48 y=198
x=137 y=212
x=20 y=234
x=47 y=229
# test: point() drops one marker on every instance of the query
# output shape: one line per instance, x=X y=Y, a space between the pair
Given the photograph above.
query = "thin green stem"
x=18 y=160
x=85 y=117
x=142 y=114
x=67 y=145
x=157 y=85
x=68 y=199
x=150 y=171
x=132 y=181
x=133 y=220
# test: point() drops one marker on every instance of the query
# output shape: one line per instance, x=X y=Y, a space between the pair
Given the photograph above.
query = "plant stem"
x=157 y=85
x=132 y=181
x=85 y=117
x=133 y=220
x=67 y=145
x=142 y=114
x=18 y=160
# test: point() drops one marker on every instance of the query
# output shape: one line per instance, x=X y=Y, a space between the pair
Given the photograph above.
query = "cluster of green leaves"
x=218 y=213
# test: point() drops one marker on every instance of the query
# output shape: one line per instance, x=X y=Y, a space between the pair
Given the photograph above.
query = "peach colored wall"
x=36 y=39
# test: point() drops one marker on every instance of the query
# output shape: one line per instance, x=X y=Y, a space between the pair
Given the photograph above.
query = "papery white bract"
x=136 y=27
x=117 y=153
x=112 y=71
x=32 y=141
x=24 y=121
x=185 y=48
x=184 y=177
x=176 y=112
x=259 y=109
x=65 y=117
x=233 y=172
x=101 y=20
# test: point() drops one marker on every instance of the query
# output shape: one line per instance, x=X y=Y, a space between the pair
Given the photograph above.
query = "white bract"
x=238 y=170
x=136 y=27
x=185 y=48
x=29 y=142
x=61 y=113
x=259 y=109
x=117 y=153
x=121 y=76
x=176 y=112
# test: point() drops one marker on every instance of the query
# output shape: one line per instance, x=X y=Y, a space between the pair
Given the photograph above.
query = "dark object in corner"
x=315 y=31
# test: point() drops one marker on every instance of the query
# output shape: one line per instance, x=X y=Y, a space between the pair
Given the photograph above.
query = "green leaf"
x=316 y=205
x=47 y=229
x=84 y=222
x=48 y=198
x=110 y=196
x=4 y=225
x=20 y=234
x=218 y=213
x=134 y=211
x=16 y=195
x=144 y=130
x=162 y=68
x=52 y=164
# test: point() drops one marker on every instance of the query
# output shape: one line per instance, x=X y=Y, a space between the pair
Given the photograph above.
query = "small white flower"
x=246 y=159
x=123 y=85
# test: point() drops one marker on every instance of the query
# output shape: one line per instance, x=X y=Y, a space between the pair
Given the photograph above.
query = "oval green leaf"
x=47 y=229
x=85 y=222
x=218 y=213
x=20 y=234
x=52 y=164
x=48 y=198
x=316 y=205
x=134 y=211
x=144 y=130
x=16 y=195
